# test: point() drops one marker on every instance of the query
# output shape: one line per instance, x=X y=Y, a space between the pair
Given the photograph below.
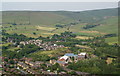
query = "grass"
x=45 y=22
x=45 y=28
x=10 y=47
x=14 y=48
x=5 y=44
x=52 y=53
x=111 y=40
x=83 y=37
x=81 y=46
x=108 y=26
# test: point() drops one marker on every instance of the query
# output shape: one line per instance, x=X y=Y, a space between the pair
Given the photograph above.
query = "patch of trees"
x=64 y=35
x=34 y=33
x=109 y=35
x=21 y=53
x=90 y=26
x=93 y=66
x=106 y=51
x=74 y=23
x=15 y=37
x=61 y=26
x=14 y=24
x=55 y=67
x=61 y=37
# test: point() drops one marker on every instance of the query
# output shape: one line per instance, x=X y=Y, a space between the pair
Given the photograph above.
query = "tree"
x=34 y=33
x=11 y=61
x=72 y=73
x=56 y=67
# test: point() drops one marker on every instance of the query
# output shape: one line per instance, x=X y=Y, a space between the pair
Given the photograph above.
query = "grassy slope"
x=47 y=20
x=51 y=53
x=90 y=16
x=109 y=25
x=112 y=40
x=36 y=18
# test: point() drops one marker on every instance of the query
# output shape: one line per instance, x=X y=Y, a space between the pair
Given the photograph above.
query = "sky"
x=57 y=6
x=59 y=0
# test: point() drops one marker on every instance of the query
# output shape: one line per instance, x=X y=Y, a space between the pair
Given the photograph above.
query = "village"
x=71 y=39
x=40 y=43
x=29 y=66
x=44 y=56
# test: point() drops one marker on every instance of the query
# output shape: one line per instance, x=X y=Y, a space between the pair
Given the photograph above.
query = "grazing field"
x=45 y=28
x=112 y=40
x=108 y=25
x=14 y=48
x=81 y=46
x=6 y=44
x=83 y=37
x=43 y=23
x=52 y=53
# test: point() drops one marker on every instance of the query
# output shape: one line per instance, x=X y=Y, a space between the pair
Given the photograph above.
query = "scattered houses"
x=41 y=44
x=23 y=65
x=31 y=71
x=30 y=63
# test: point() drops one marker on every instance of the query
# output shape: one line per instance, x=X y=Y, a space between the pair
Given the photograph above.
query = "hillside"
x=91 y=15
x=43 y=23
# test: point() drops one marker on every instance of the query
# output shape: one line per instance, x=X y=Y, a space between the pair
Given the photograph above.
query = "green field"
x=112 y=40
x=42 y=23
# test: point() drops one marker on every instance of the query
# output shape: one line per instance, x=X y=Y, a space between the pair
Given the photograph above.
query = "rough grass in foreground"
x=51 y=53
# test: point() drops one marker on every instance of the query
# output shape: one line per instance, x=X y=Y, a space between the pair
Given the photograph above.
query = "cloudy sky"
x=56 y=6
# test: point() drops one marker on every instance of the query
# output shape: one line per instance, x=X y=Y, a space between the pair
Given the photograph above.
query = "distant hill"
x=91 y=15
x=53 y=17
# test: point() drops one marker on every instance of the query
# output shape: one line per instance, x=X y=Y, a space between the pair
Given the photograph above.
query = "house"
x=55 y=44
x=62 y=63
x=82 y=55
x=31 y=71
x=30 y=63
x=26 y=59
x=64 y=58
x=52 y=61
x=39 y=62
x=22 y=42
x=72 y=56
x=62 y=73
x=23 y=65
x=48 y=65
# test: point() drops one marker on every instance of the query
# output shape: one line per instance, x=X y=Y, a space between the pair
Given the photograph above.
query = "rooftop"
x=83 y=53
x=70 y=54
x=64 y=57
x=61 y=62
